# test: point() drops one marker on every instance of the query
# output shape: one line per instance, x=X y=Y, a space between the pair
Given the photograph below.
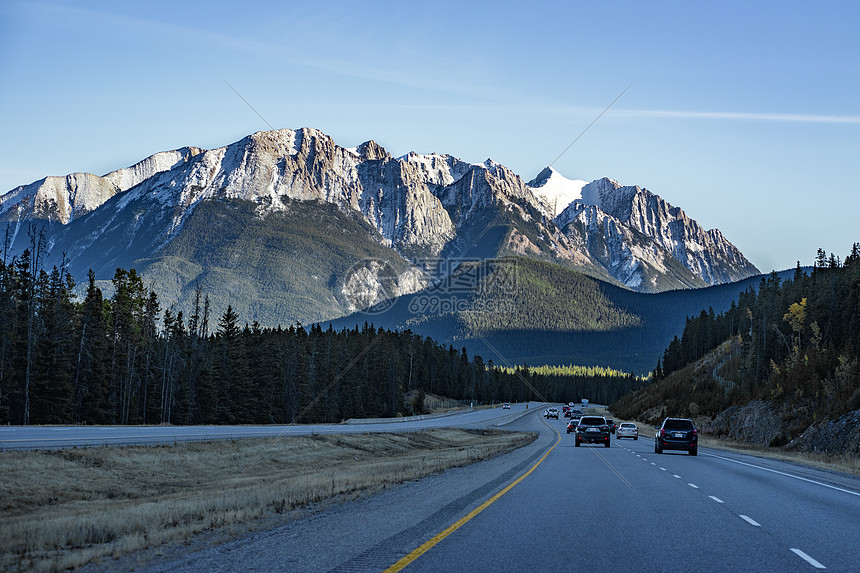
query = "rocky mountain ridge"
x=640 y=237
x=430 y=210
x=62 y=199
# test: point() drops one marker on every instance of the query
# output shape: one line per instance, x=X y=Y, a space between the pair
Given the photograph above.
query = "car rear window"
x=678 y=425
x=628 y=425
x=592 y=421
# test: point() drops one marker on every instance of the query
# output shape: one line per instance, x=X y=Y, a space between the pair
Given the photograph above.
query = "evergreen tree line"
x=800 y=338
x=125 y=360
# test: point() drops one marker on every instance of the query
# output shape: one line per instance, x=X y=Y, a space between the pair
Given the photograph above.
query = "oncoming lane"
x=54 y=437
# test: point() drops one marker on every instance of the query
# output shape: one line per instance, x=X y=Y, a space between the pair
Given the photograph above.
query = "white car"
x=627 y=430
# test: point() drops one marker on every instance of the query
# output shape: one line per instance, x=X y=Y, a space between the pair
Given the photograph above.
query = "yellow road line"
x=427 y=545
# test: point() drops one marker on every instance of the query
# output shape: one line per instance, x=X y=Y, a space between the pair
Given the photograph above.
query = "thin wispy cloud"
x=740 y=116
x=582 y=111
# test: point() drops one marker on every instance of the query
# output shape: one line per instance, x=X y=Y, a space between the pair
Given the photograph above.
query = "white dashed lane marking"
x=812 y=561
x=808 y=559
x=750 y=520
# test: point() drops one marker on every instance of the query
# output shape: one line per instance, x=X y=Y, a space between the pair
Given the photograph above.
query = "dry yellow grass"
x=63 y=509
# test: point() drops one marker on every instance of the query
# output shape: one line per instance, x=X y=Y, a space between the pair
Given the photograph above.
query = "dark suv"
x=593 y=429
x=677 y=434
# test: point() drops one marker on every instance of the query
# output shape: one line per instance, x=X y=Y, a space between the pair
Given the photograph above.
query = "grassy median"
x=65 y=508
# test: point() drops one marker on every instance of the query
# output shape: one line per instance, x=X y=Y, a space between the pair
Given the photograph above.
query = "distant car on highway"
x=566 y=410
x=677 y=434
x=592 y=429
x=506 y=406
x=611 y=424
x=552 y=413
x=571 y=426
x=627 y=430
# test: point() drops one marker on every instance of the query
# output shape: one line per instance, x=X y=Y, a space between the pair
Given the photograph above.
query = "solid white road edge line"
x=787 y=475
x=750 y=520
x=808 y=559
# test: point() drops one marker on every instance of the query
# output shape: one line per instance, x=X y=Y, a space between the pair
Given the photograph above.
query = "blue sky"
x=746 y=115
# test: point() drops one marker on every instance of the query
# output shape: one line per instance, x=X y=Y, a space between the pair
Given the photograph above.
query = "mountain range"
x=287 y=226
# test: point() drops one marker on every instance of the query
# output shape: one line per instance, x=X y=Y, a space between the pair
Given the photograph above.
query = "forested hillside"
x=792 y=346
x=125 y=360
x=526 y=311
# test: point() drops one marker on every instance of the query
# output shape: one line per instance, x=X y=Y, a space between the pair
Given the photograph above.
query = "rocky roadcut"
x=764 y=424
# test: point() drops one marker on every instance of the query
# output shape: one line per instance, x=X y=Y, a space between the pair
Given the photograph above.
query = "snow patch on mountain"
x=556 y=190
x=125 y=179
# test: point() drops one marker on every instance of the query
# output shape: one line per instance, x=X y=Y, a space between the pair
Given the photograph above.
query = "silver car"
x=627 y=430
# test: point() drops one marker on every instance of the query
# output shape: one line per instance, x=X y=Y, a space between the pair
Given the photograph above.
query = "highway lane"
x=619 y=508
x=628 y=508
x=52 y=437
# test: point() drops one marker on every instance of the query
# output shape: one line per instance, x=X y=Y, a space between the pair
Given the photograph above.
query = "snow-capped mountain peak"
x=556 y=190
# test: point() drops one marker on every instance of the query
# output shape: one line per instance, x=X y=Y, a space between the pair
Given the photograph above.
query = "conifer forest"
x=125 y=359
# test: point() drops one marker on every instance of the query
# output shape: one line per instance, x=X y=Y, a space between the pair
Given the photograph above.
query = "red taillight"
x=662 y=433
x=695 y=433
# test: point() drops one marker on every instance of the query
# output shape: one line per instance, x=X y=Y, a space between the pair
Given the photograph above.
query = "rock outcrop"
x=833 y=437
x=757 y=422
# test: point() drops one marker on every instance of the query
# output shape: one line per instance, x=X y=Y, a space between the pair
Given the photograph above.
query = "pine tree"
x=229 y=368
x=52 y=392
x=91 y=385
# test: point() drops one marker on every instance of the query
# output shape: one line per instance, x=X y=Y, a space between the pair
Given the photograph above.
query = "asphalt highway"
x=550 y=506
